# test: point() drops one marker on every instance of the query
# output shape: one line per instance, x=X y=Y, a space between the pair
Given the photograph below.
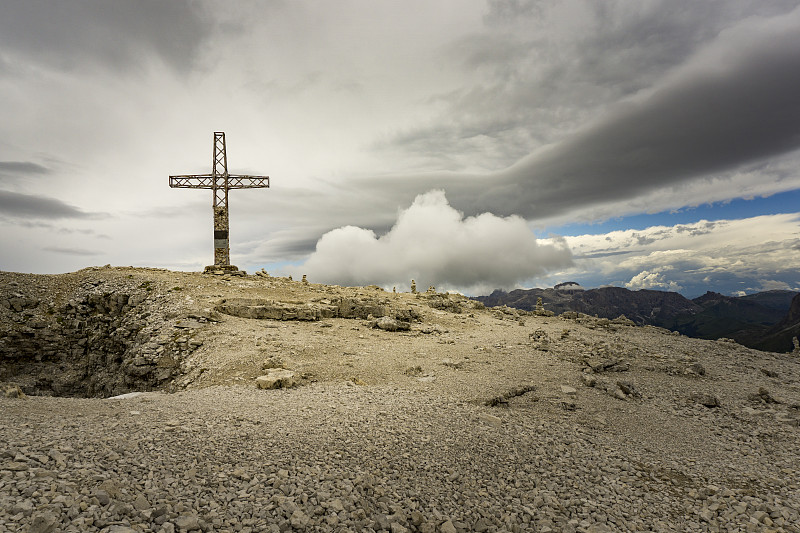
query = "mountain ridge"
x=763 y=320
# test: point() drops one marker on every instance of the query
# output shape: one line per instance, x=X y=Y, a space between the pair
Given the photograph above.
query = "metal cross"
x=220 y=182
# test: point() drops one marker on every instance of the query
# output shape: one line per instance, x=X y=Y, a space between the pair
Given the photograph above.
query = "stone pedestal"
x=221 y=270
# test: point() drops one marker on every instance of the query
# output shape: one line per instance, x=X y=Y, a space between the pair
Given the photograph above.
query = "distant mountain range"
x=765 y=320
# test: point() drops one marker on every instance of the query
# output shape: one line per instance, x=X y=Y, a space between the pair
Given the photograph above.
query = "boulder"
x=390 y=324
x=359 y=308
x=276 y=378
x=268 y=309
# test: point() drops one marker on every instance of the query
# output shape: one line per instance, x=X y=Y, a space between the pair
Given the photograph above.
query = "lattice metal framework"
x=220 y=182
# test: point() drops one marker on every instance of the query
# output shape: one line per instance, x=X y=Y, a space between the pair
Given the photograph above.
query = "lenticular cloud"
x=434 y=244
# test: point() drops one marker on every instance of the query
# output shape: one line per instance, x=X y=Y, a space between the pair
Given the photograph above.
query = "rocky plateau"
x=137 y=399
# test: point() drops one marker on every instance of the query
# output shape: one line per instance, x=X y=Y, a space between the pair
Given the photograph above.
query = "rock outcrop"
x=337 y=307
x=88 y=336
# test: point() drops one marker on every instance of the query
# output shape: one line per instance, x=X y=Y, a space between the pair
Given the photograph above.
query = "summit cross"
x=220 y=182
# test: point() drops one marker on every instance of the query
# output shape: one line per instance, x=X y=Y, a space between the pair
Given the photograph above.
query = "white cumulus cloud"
x=434 y=244
x=653 y=279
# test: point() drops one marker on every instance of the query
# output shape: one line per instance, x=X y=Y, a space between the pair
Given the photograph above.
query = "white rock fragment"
x=492 y=420
x=569 y=391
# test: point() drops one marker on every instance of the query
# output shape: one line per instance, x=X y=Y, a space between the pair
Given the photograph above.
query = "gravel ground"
x=338 y=457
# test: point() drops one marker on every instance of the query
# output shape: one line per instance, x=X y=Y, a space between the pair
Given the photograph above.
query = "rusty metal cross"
x=220 y=182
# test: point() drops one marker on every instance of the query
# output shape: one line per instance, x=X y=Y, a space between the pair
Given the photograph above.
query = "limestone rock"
x=695 y=369
x=390 y=324
x=770 y=373
x=447 y=527
x=43 y=523
x=187 y=522
x=606 y=364
x=413 y=371
x=398 y=528
x=569 y=391
x=16 y=466
x=189 y=323
x=622 y=320
x=360 y=308
x=102 y=496
x=272 y=310
x=11 y=390
x=762 y=396
x=492 y=420
x=24 y=508
x=276 y=378
x=141 y=503
x=628 y=389
x=299 y=519
x=705 y=399
x=445 y=302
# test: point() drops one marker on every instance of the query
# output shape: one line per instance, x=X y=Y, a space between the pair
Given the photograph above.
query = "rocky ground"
x=470 y=419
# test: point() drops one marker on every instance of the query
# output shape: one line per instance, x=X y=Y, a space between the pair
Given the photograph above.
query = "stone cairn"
x=540 y=310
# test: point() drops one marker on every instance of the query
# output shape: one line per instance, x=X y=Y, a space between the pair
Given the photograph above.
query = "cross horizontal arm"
x=248 y=182
x=192 y=181
x=206 y=181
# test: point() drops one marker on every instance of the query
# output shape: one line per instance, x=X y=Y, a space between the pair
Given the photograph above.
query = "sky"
x=466 y=144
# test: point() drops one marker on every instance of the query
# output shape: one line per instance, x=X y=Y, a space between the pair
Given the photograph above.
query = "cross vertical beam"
x=220 y=182
x=222 y=253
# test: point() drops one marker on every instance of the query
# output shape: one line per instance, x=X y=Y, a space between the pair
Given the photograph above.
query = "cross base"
x=221 y=270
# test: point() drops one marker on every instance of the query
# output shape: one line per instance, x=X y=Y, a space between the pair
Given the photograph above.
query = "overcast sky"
x=467 y=144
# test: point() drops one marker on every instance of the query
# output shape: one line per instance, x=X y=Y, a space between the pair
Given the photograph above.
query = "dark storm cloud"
x=30 y=206
x=541 y=78
x=694 y=231
x=22 y=168
x=740 y=108
x=703 y=125
x=115 y=33
x=643 y=240
x=70 y=251
x=283 y=247
x=597 y=255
